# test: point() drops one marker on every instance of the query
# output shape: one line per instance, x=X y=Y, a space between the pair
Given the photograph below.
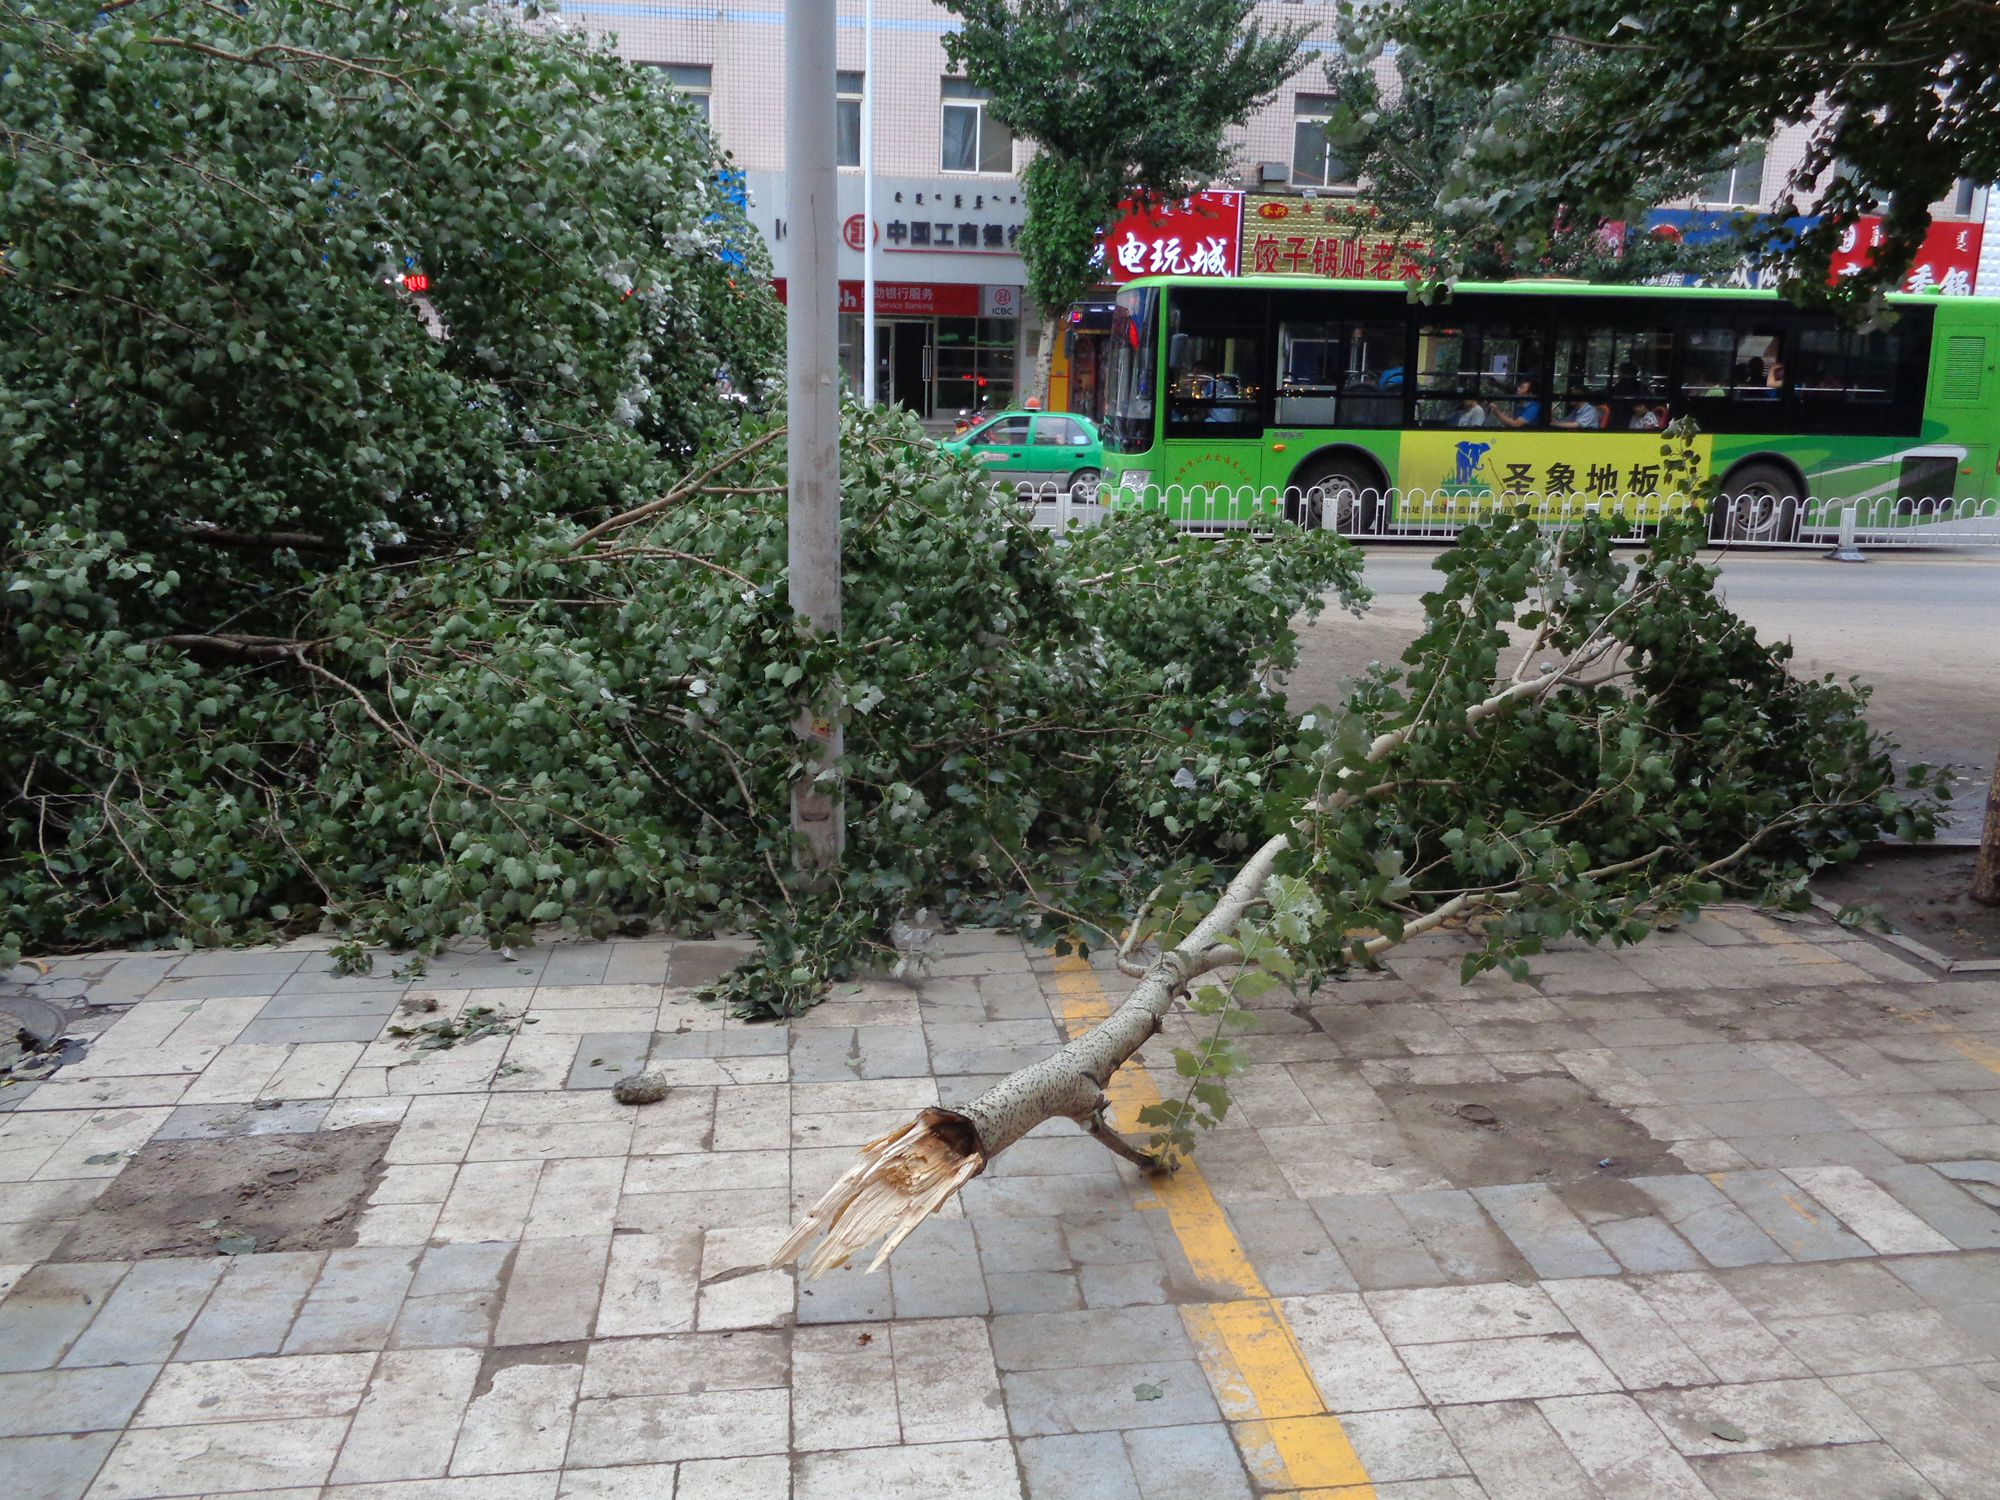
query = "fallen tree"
x=1576 y=747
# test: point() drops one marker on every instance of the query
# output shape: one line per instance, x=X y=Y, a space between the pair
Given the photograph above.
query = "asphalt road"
x=1922 y=629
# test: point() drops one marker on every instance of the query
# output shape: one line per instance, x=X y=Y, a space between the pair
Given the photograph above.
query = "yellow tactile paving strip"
x=1289 y=1441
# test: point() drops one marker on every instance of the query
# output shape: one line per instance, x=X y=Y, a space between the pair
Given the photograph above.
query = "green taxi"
x=1036 y=452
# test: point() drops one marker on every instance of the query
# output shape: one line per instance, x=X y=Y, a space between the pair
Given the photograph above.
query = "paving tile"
x=219 y=1456
x=1646 y=1244
x=1717 y=1328
x=1952 y=1212
x=552 y=1292
x=1620 y=1448
x=1857 y=1343
x=947 y=1388
x=518 y=1418
x=1941 y=1422
x=669 y=1428
x=1376 y=1242
x=964 y=1471
x=334 y=1028
x=1716 y=1227
x=1187 y=1463
x=843 y=1389
x=1552 y=1238
x=649 y=1284
x=47 y=1402
x=1853 y=1469
x=144 y=1318
x=1050 y=1341
x=627 y=1482
x=354 y=1303
x=1430 y=1315
x=1804 y=1228
x=57 y=1466
x=1096 y=1398
x=1888 y=1227
x=1640 y=1347
x=1507 y=1369
x=453 y=1297
x=1465 y=1244
x=1410 y=1444
x=48 y=1308
x=1818 y=1290
x=687 y=1364
x=602 y=1058
x=216 y=1121
x=1289 y=1246
x=1769 y=1414
x=409 y=1420
x=941 y=1279
x=1352 y=1361
x=1071 y=1465
x=1514 y=1453
x=237 y=1390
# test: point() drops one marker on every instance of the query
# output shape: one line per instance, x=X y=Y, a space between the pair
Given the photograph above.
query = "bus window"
x=1510 y=375
x=1130 y=354
x=1447 y=381
x=1706 y=357
x=1371 y=389
x=1834 y=365
x=1621 y=371
x=1214 y=391
x=1309 y=373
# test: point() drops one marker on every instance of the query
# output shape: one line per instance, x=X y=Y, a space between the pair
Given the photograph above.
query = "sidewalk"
x=1718 y=1215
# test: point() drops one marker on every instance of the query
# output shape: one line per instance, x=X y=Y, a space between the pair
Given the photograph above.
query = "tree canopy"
x=1592 y=100
x=1123 y=99
x=1407 y=144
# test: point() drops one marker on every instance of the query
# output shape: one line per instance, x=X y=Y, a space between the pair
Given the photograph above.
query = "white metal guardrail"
x=1879 y=521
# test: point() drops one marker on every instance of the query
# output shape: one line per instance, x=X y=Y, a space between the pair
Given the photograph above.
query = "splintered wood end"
x=894 y=1185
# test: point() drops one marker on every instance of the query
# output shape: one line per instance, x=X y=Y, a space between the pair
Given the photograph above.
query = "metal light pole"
x=868 y=203
x=812 y=465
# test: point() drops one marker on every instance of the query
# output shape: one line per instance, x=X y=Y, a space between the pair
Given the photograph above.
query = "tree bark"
x=1986 y=868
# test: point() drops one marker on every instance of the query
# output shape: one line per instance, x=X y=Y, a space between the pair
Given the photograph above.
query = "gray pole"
x=813 y=400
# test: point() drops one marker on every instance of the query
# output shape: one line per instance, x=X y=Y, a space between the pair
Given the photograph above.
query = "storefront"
x=950 y=328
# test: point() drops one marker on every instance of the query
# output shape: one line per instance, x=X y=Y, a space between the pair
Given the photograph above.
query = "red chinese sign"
x=1291 y=236
x=1192 y=237
x=1947 y=263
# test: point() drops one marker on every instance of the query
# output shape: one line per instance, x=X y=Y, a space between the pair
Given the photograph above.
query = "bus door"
x=1218 y=407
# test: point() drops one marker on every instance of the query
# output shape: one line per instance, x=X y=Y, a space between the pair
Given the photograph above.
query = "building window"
x=1740 y=184
x=690 y=81
x=1313 y=163
x=1964 y=193
x=847 y=119
x=973 y=140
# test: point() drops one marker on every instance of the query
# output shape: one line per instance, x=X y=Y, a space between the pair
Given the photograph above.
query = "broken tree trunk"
x=899 y=1180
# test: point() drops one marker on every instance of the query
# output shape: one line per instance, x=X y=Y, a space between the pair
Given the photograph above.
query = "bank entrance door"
x=910 y=365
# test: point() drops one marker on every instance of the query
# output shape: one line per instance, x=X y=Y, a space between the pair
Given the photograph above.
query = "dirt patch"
x=1920 y=893
x=235 y=1195
x=1541 y=1129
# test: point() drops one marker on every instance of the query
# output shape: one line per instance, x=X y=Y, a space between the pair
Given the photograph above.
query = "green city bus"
x=1351 y=405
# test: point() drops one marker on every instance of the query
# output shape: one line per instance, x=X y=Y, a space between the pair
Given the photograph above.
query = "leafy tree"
x=204 y=211
x=1123 y=99
x=1594 y=100
x=1407 y=144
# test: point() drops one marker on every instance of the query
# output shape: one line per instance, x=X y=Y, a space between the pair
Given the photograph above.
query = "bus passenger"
x=1627 y=383
x=1580 y=415
x=1648 y=418
x=1527 y=410
x=1470 y=414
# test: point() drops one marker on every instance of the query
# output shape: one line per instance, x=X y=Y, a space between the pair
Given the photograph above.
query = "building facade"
x=954 y=330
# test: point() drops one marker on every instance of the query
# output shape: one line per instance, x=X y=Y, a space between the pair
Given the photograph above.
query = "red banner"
x=1192 y=237
x=1947 y=263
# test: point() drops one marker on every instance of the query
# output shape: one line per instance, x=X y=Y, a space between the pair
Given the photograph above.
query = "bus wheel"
x=1759 y=503
x=1345 y=489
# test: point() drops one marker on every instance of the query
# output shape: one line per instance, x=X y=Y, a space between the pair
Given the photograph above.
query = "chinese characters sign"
x=1290 y=236
x=1192 y=237
x=952 y=219
x=1441 y=468
x=1947 y=263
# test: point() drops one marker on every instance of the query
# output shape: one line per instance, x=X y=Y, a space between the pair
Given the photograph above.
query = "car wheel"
x=1347 y=491
x=1759 y=503
x=1083 y=485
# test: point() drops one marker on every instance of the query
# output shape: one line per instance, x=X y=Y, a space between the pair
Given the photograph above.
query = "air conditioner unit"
x=1274 y=171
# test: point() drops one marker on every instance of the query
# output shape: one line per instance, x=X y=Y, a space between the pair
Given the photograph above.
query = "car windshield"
x=1132 y=371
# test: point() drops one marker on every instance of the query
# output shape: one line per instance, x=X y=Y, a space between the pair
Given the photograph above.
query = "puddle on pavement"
x=1543 y=1129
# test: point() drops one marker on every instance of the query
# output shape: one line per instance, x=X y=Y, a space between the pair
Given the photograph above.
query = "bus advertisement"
x=1352 y=406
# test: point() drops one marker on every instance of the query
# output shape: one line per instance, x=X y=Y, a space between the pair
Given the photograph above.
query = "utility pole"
x=868 y=203
x=812 y=465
